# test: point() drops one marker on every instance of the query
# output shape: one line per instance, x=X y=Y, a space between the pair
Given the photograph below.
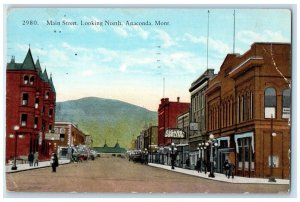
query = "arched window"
x=47 y=95
x=286 y=103
x=270 y=102
x=26 y=79
x=31 y=80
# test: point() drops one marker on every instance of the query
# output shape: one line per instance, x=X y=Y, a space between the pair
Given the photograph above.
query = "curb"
x=221 y=177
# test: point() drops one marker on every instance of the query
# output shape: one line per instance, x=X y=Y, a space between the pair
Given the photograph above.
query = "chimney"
x=178 y=99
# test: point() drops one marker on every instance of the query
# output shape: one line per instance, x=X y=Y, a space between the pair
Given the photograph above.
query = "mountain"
x=106 y=119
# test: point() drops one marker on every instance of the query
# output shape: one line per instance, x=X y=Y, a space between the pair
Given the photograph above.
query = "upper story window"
x=50 y=112
x=270 y=102
x=26 y=79
x=36 y=121
x=23 y=119
x=47 y=95
x=50 y=128
x=36 y=104
x=286 y=103
x=25 y=99
x=31 y=80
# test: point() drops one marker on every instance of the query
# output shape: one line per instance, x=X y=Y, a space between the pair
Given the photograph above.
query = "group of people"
x=201 y=165
x=228 y=168
x=33 y=159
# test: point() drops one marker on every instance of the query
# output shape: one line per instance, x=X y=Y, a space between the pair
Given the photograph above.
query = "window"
x=47 y=95
x=36 y=120
x=31 y=80
x=238 y=110
x=251 y=105
x=26 y=79
x=50 y=112
x=50 y=128
x=37 y=100
x=286 y=102
x=270 y=103
x=25 y=99
x=62 y=137
x=242 y=109
x=23 y=119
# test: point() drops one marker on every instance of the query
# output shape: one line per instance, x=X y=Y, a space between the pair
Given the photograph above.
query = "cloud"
x=166 y=39
x=248 y=37
x=213 y=44
x=123 y=67
x=87 y=73
x=121 y=31
x=140 y=32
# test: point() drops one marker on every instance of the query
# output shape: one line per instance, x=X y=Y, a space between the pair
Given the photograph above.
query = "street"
x=116 y=175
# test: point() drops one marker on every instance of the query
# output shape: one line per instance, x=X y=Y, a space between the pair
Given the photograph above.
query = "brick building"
x=66 y=135
x=167 y=118
x=30 y=105
x=248 y=107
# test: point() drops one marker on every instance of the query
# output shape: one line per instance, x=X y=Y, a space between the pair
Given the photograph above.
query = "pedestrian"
x=187 y=162
x=231 y=170
x=226 y=167
x=30 y=159
x=54 y=162
x=198 y=165
x=36 y=159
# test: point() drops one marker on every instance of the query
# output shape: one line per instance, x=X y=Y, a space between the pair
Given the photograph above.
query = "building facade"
x=198 y=130
x=182 y=144
x=30 y=109
x=248 y=111
x=65 y=136
x=167 y=118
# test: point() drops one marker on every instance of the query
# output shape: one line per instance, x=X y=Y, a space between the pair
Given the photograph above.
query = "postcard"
x=151 y=100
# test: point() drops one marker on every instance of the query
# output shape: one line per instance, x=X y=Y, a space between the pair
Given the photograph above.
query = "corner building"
x=30 y=105
x=167 y=118
x=248 y=111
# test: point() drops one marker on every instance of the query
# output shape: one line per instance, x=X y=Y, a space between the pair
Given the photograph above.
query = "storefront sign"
x=175 y=133
x=52 y=136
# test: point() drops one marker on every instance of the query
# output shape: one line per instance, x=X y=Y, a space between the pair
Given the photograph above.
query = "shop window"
x=286 y=102
x=245 y=153
x=270 y=103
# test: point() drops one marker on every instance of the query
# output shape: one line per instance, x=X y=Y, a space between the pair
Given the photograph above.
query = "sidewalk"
x=42 y=164
x=221 y=177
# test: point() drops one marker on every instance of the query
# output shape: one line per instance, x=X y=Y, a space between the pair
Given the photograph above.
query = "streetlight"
x=201 y=149
x=173 y=150
x=16 y=128
x=212 y=143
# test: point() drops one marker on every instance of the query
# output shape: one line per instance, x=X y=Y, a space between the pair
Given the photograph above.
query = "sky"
x=131 y=62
